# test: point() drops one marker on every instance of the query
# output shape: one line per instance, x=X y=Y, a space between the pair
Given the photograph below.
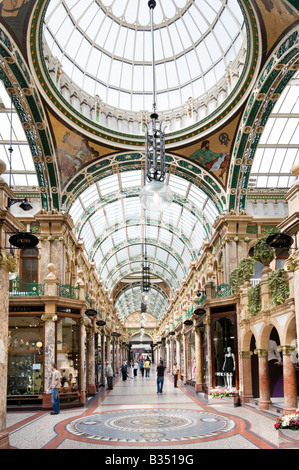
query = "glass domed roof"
x=105 y=48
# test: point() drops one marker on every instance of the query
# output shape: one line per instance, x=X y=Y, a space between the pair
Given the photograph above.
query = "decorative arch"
x=19 y=85
x=277 y=72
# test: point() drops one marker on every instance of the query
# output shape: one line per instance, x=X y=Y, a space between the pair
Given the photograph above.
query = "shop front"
x=224 y=349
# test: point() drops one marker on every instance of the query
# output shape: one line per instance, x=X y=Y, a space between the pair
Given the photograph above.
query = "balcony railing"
x=223 y=290
x=19 y=288
x=65 y=290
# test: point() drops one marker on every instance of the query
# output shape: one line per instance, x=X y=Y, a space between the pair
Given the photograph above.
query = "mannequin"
x=229 y=368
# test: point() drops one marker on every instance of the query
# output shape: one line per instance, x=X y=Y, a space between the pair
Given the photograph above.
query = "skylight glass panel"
x=119 y=236
x=123 y=255
x=130 y=179
x=108 y=185
x=107 y=245
x=162 y=254
x=134 y=231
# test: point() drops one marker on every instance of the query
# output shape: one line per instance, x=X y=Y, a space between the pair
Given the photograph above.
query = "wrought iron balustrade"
x=65 y=290
x=19 y=288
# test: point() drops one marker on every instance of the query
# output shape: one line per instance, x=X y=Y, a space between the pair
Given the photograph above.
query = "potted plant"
x=288 y=427
x=279 y=286
x=263 y=252
x=225 y=393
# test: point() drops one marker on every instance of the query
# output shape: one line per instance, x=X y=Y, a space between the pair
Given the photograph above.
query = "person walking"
x=124 y=370
x=175 y=375
x=135 y=368
x=109 y=375
x=131 y=370
x=160 y=377
x=55 y=384
x=142 y=368
x=147 y=368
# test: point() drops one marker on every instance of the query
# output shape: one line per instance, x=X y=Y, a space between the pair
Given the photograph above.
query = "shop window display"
x=224 y=354
x=25 y=357
x=68 y=354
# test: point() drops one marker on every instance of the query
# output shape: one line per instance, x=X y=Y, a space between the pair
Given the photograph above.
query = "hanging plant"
x=279 y=286
x=234 y=280
x=246 y=269
x=254 y=300
x=242 y=273
x=263 y=252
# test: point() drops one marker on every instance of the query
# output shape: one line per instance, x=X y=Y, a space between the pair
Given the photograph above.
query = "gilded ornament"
x=292 y=263
x=7 y=262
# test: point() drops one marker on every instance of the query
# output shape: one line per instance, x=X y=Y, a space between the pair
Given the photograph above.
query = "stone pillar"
x=178 y=352
x=246 y=377
x=50 y=319
x=171 y=360
x=289 y=380
x=198 y=358
x=83 y=359
x=292 y=266
x=91 y=386
x=7 y=264
x=264 y=379
x=108 y=347
x=185 y=358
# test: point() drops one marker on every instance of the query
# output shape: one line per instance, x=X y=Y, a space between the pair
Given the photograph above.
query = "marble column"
x=289 y=381
x=264 y=379
x=49 y=320
x=199 y=361
x=82 y=362
x=91 y=386
x=185 y=358
x=7 y=264
x=246 y=376
x=178 y=352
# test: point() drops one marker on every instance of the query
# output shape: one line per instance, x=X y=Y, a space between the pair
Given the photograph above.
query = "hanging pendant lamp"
x=155 y=196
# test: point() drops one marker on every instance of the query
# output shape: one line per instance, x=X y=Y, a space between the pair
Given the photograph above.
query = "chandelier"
x=155 y=195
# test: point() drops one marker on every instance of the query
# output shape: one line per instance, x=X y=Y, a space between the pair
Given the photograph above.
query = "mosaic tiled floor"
x=155 y=425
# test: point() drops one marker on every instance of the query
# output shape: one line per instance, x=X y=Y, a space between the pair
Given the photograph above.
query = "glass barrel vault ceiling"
x=105 y=48
x=278 y=148
x=112 y=227
x=11 y=131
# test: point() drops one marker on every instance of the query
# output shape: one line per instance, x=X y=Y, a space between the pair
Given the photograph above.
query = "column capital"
x=262 y=352
x=245 y=354
x=286 y=350
x=51 y=317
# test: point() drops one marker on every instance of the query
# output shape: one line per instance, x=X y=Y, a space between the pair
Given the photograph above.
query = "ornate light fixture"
x=155 y=195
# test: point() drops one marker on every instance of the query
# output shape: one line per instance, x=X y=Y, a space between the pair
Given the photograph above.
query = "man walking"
x=109 y=375
x=54 y=388
x=175 y=375
x=160 y=377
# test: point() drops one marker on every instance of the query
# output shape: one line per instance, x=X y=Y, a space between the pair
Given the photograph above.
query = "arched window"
x=29 y=265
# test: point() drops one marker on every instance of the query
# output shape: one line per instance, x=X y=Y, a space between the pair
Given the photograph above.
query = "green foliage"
x=254 y=300
x=263 y=252
x=234 y=281
x=279 y=286
x=241 y=274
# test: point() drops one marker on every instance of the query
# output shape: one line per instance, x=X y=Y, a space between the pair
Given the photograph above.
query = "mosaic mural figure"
x=212 y=161
x=74 y=153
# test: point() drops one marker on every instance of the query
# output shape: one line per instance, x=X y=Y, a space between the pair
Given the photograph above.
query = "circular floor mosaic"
x=156 y=425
